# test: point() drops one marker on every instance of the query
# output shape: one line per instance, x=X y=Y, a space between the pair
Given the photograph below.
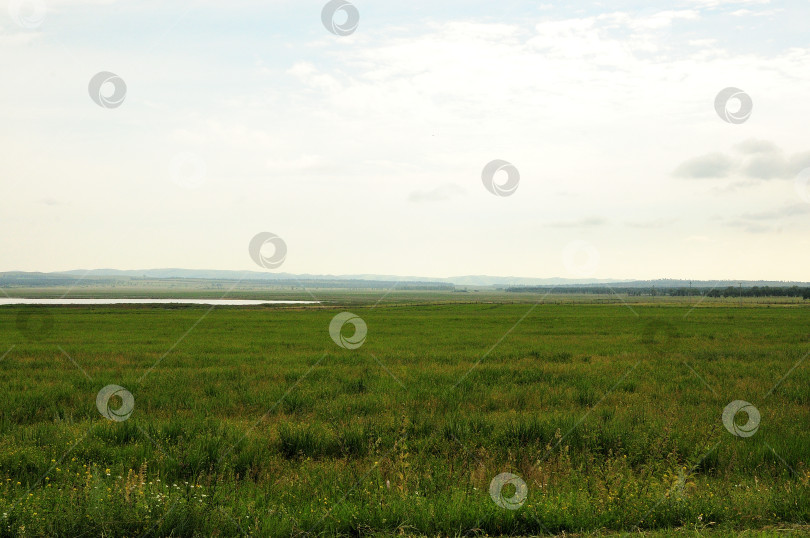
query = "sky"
x=366 y=152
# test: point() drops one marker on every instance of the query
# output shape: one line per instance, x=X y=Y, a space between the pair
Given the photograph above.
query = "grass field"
x=254 y=421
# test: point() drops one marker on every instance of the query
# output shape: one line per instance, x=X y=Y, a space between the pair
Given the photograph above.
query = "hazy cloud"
x=768 y=221
x=718 y=3
x=752 y=228
x=752 y=159
x=439 y=194
x=581 y=223
x=650 y=224
x=706 y=166
x=753 y=146
x=781 y=213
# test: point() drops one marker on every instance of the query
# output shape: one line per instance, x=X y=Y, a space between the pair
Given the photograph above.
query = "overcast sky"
x=364 y=152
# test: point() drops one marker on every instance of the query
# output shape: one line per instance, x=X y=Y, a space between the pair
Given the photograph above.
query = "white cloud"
x=718 y=3
x=752 y=158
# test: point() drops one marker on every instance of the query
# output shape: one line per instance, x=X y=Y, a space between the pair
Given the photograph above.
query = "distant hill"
x=106 y=276
x=468 y=280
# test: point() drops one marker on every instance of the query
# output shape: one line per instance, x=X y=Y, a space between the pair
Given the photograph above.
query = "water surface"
x=217 y=302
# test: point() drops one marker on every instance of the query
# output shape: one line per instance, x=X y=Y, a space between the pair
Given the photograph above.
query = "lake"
x=213 y=302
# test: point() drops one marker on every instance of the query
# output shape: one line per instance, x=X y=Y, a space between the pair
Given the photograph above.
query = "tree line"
x=728 y=291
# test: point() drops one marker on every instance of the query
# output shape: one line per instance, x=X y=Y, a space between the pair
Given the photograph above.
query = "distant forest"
x=728 y=291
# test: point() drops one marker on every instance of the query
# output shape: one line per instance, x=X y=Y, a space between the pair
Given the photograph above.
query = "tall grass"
x=257 y=423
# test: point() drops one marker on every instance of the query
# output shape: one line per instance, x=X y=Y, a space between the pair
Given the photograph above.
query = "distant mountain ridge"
x=464 y=280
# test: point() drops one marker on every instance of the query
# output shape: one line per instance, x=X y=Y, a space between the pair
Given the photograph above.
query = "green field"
x=253 y=421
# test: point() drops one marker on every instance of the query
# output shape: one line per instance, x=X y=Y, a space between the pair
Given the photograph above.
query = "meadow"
x=253 y=421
